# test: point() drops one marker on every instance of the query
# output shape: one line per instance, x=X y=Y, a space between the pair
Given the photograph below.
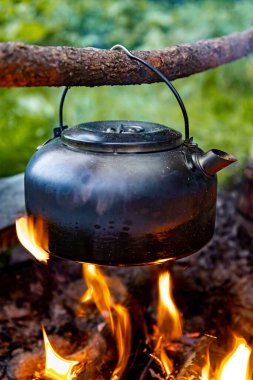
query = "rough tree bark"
x=27 y=65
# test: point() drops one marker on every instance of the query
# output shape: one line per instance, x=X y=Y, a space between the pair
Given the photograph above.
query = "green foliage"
x=219 y=102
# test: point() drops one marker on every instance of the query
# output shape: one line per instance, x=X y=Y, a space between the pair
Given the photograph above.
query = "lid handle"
x=57 y=131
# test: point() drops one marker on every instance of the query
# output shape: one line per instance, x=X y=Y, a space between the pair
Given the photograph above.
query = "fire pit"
x=212 y=290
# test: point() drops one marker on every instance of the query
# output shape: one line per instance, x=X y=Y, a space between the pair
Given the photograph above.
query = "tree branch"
x=28 y=65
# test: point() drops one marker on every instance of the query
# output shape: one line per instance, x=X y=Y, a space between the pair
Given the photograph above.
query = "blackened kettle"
x=122 y=192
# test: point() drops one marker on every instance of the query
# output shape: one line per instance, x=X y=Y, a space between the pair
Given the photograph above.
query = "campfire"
x=76 y=212
x=127 y=339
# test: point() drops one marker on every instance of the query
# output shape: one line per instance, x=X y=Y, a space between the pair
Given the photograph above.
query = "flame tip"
x=32 y=234
x=169 y=322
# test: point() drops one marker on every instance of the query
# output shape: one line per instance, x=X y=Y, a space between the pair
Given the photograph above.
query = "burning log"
x=26 y=65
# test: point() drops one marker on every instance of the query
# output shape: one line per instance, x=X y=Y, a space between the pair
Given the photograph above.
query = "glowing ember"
x=168 y=320
x=119 y=320
x=236 y=365
x=32 y=236
x=56 y=367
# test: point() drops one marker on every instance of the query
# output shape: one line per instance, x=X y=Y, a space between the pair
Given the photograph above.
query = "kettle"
x=123 y=192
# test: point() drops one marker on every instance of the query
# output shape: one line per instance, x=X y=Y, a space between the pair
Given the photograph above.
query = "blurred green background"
x=219 y=102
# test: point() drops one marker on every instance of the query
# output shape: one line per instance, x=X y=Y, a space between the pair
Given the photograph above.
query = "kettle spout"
x=214 y=160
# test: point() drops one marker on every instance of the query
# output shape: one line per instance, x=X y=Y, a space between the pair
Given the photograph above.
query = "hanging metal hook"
x=166 y=80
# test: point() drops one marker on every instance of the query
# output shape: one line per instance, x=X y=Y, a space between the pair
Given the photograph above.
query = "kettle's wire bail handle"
x=166 y=80
x=58 y=130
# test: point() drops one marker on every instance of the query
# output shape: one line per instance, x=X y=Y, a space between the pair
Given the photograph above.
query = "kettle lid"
x=121 y=136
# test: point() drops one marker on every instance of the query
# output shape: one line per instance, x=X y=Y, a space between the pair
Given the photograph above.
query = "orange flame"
x=206 y=369
x=119 y=320
x=98 y=290
x=87 y=296
x=236 y=364
x=167 y=363
x=56 y=367
x=32 y=235
x=168 y=320
x=123 y=339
